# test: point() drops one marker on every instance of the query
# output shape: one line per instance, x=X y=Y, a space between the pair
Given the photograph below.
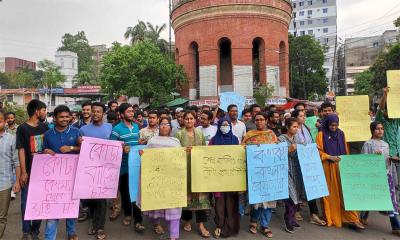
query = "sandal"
x=127 y=221
x=100 y=235
x=253 y=228
x=204 y=233
x=217 y=232
x=91 y=231
x=298 y=216
x=357 y=226
x=187 y=227
x=268 y=233
x=317 y=221
x=139 y=227
x=73 y=237
x=158 y=229
x=114 y=215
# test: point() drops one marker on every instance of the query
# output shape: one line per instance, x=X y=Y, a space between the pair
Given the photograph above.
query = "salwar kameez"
x=172 y=216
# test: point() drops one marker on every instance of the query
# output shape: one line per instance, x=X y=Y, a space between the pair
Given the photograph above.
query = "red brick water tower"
x=232 y=45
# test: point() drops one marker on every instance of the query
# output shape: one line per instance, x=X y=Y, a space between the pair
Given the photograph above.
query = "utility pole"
x=333 y=69
x=170 y=28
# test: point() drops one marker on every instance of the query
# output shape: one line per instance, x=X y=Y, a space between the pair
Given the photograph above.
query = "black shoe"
x=289 y=228
x=296 y=225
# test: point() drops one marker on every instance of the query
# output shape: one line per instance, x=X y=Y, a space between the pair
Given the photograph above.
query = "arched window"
x=283 y=66
x=195 y=66
x=258 y=62
x=225 y=65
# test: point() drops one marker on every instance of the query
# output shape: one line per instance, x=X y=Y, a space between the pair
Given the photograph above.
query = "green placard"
x=310 y=123
x=364 y=183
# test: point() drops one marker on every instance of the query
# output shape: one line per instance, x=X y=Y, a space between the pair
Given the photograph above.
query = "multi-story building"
x=99 y=52
x=68 y=63
x=319 y=19
x=11 y=64
x=360 y=54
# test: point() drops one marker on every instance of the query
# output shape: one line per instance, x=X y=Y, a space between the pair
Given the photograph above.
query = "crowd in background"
x=62 y=133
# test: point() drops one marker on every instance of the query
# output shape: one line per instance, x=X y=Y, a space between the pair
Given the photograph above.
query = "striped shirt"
x=8 y=160
x=129 y=136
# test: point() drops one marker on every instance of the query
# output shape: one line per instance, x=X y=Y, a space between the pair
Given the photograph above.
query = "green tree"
x=397 y=22
x=147 y=31
x=79 y=44
x=386 y=61
x=52 y=76
x=140 y=70
x=263 y=93
x=306 y=61
x=363 y=83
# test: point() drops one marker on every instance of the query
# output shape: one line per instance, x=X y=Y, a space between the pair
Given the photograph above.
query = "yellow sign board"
x=163 y=178
x=393 y=99
x=354 y=118
x=218 y=169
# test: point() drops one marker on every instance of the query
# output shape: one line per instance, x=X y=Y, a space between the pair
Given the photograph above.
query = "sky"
x=32 y=29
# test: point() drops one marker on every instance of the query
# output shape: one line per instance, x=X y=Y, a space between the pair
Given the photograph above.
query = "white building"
x=317 y=18
x=68 y=62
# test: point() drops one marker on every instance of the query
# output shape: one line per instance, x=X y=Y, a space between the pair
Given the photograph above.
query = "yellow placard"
x=393 y=99
x=218 y=169
x=163 y=178
x=354 y=118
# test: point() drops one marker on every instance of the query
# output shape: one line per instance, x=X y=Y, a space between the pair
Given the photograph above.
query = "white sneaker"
x=13 y=196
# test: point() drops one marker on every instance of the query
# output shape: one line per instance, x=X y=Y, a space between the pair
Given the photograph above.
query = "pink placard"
x=98 y=169
x=50 y=187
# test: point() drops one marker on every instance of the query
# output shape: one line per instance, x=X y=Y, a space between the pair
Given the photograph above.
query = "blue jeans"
x=28 y=227
x=394 y=221
x=261 y=214
x=50 y=232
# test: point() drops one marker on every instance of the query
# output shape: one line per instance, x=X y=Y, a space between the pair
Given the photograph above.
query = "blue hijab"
x=224 y=139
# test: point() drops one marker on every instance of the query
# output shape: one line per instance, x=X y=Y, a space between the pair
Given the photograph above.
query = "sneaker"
x=13 y=196
x=25 y=236
x=289 y=228
x=296 y=225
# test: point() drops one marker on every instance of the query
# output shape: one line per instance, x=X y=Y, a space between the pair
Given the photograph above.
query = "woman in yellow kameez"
x=332 y=144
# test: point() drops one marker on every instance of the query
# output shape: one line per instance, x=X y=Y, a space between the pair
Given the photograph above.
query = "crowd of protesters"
x=193 y=126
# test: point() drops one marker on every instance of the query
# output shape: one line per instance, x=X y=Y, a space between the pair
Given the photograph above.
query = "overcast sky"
x=32 y=29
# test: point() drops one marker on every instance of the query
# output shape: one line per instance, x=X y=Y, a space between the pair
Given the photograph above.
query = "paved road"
x=378 y=229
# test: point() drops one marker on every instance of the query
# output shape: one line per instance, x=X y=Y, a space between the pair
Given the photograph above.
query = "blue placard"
x=228 y=98
x=312 y=171
x=134 y=171
x=268 y=178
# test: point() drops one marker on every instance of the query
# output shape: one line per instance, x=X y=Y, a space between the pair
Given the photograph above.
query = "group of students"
x=194 y=127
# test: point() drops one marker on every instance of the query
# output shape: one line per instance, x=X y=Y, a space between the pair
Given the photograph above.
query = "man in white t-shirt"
x=206 y=128
x=238 y=127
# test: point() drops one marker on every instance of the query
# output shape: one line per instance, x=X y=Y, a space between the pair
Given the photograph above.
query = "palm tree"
x=154 y=34
x=137 y=33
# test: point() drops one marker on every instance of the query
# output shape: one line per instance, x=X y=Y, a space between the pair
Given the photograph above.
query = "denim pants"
x=29 y=226
x=50 y=232
x=394 y=221
x=263 y=215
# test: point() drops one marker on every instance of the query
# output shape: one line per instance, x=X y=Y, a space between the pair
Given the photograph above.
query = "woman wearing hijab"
x=173 y=215
x=227 y=217
x=377 y=146
x=303 y=136
x=261 y=212
x=198 y=202
x=332 y=144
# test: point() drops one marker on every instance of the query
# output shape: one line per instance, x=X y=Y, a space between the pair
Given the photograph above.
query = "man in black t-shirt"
x=30 y=141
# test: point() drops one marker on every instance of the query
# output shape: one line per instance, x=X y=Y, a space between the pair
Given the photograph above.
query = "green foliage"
x=397 y=22
x=386 y=61
x=79 y=44
x=52 y=76
x=24 y=78
x=363 y=83
x=140 y=70
x=142 y=31
x=263 y=93
x=20 y=113
x=306 y=61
